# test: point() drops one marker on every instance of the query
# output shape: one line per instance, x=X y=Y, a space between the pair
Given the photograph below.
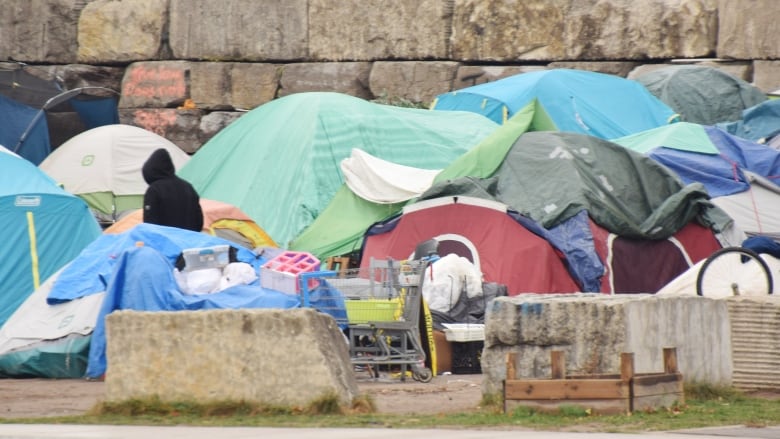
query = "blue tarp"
x=135 y=269
x=759 y=123
x=722 y=174
x=598 y=104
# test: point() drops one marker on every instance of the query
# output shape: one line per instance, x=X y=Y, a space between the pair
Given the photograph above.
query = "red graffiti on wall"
x=156 y=121
x=158 y=82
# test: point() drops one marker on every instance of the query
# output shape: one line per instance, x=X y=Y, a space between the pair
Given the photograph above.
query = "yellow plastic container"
x=372 y=310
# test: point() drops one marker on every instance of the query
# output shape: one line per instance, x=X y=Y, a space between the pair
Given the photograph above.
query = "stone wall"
x=222 y=58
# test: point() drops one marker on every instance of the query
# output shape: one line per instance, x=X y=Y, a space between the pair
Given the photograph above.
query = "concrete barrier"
x=594 y=329
x=277 y=357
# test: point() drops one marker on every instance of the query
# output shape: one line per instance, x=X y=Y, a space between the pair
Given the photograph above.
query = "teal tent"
x=44 y=227
x=279 y=163
x=340 y=227
x=578 y=101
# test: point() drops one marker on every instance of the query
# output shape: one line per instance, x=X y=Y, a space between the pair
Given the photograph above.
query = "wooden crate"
x=609 y=393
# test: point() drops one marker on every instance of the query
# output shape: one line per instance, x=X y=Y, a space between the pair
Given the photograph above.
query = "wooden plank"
x=626 y=366
x=511 y=361
x=558 y=365
x=653 y=402
x=566 y=389
x=661 y=378
x=657 y=388
x=596 y=406
x=670 y=360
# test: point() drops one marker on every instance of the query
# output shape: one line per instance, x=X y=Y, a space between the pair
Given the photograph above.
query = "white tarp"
x=383 y=182
x=755 y=211
x=747 y=275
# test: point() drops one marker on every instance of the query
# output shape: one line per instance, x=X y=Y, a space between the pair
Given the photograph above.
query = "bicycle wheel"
x=734 y=271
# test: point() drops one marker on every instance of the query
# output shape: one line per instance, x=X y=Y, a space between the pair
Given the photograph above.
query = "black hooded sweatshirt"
x=169 y=200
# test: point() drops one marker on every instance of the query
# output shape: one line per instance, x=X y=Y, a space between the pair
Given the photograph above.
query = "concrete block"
x=594 y=329
x=277 y=357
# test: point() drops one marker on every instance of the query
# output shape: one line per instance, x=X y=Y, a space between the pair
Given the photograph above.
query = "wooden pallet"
x=610 y=393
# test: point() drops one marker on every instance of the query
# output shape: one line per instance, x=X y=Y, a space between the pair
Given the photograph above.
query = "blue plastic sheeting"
x=90 y=271
x=722 y=174
x=759 y=123
x=143 y=280
x=575 y=239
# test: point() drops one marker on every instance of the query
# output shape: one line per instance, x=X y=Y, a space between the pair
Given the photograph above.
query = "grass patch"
x=705 y=406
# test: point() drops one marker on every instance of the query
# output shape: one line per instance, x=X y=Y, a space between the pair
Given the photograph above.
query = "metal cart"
x=382 y=305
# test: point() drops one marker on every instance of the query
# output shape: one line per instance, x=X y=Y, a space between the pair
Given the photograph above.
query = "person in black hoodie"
x=169 y=200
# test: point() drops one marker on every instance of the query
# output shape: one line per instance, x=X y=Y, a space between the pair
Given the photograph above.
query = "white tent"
x=103 y=166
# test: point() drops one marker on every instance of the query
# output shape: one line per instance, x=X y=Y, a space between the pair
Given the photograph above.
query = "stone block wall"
x=226 y=57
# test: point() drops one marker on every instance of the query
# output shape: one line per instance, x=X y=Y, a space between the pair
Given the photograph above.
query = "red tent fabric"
x=507 y=252
x=643 y=265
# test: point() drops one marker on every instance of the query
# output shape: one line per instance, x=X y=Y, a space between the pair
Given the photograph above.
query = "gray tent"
x=701 y=94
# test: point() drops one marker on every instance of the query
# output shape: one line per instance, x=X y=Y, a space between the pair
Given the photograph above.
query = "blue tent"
x=707 y=155
x=44 y=227
x=37 y=115
x=578 y=101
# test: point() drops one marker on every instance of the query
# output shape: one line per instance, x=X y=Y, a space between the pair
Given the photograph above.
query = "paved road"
x=20 y=431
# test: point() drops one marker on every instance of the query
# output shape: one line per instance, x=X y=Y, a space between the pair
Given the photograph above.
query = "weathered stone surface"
x=593 y=330
x=179 y=126
x=741 y=69
x=345 y=77
x=112 y=31
x=468 y=76
x=253 y=84
x=209 y=85
x=214 y=122
x=364 y=30
x=627 y=29
x=83 y=75
x=239 y=30
x=748 y=29
x=617 y=68
x=158 y=84
x=277 y=357
x=766 y=75
x=415 y=81
x=39 y=30
x=502 y=30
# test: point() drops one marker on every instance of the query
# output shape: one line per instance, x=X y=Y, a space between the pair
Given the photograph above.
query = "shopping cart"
x=381 y=305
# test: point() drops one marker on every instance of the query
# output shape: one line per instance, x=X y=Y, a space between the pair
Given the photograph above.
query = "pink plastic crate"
x=281 y=273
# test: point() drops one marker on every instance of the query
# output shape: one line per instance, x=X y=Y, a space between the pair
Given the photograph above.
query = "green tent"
x=702 y=94
x=340 y=227
x=279 y=163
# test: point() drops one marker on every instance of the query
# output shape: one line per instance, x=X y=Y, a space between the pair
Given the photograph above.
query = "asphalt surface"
x=52 y=431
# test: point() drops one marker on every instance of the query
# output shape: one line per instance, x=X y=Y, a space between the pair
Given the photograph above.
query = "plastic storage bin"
x=217 y=256
x=281 y=273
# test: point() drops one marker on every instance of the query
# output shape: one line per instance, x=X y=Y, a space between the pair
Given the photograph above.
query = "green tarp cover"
x=550 y=177
x=340 y=227
x=279 y=163
x=702 y=94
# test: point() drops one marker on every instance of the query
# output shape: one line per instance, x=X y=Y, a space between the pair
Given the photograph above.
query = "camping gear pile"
x=556 y=181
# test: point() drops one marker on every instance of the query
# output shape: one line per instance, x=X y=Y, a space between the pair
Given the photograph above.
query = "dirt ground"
x=25 y=398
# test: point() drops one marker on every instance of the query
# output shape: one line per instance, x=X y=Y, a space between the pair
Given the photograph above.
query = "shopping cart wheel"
x=423 y=375
x=734 y=271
